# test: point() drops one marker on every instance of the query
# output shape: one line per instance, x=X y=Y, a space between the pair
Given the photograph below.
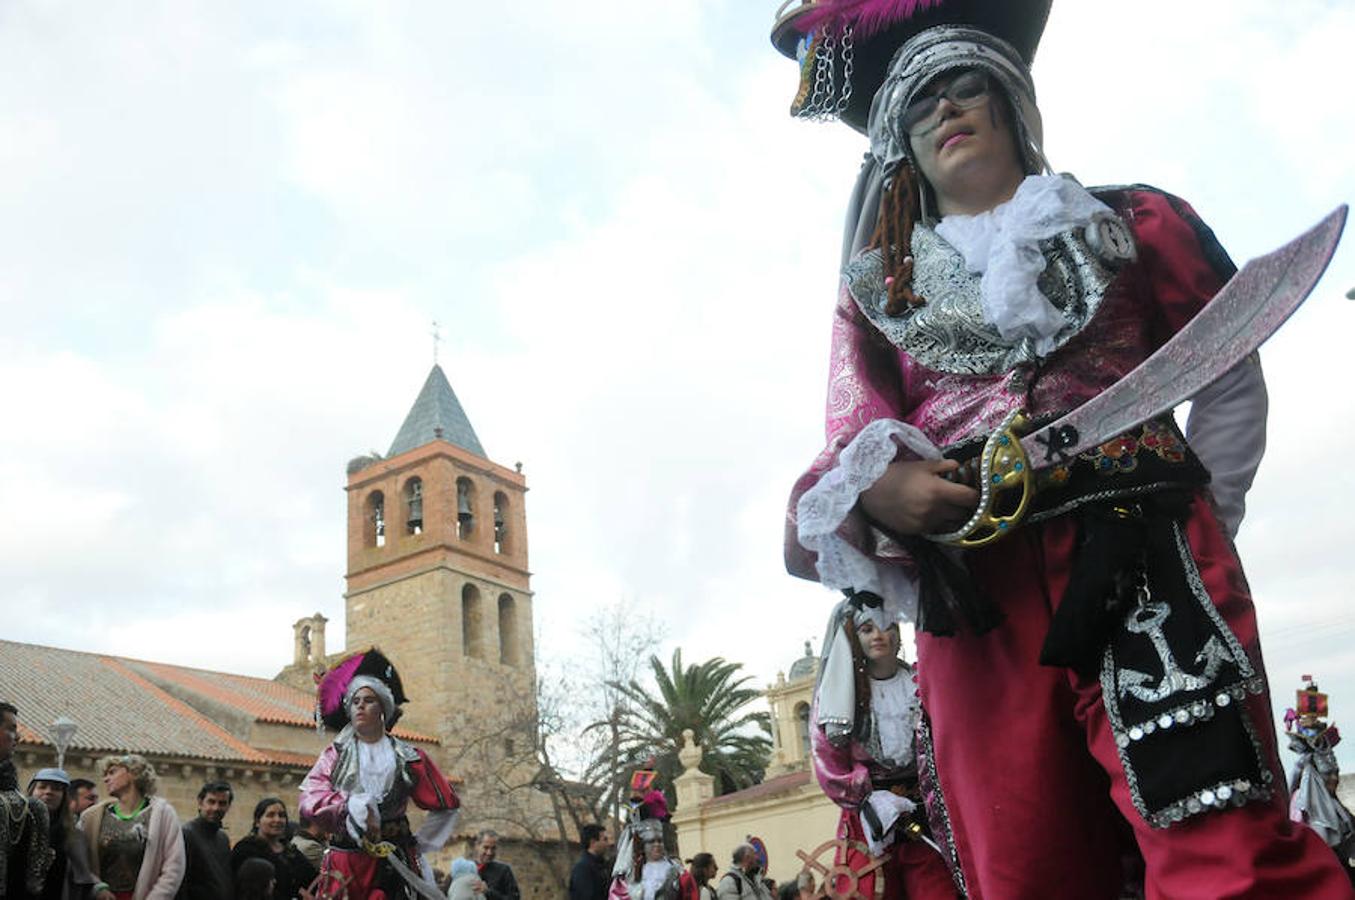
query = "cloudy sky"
x=225 y=229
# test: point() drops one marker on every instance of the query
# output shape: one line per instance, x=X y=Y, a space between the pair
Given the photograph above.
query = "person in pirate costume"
x=862 y=727
x=26 y=854
x=362 y=783
x=644 y=869
x=1316 y=774
x=1091 y=683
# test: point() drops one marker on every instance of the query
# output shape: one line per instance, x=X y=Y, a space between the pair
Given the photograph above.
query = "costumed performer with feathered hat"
x=362 y=783
x=1316 y=773
x=1092 y=683
x=644 y=869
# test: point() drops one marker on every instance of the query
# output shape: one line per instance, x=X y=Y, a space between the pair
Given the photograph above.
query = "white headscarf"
x=931 y=53
x=835 y=693
x=379 y=687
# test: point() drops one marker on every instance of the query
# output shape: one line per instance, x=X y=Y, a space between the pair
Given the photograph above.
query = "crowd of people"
x=61 y=840
x=70 y=839
x=129 y=844
x=641 y=865
x=608 y=871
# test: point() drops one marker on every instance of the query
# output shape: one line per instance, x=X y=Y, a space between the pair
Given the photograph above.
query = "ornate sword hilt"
x=1006 y=486
x=379 y=849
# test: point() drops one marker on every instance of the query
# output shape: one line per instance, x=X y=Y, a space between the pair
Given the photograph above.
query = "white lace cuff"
x=824 y=507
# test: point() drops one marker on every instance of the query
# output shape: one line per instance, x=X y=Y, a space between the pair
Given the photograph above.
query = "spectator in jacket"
x=500 y=884
x=268 y=840
x=743 y=881
x=207 y=849
x=69 y=877
x=134 y=838
x=590 y=876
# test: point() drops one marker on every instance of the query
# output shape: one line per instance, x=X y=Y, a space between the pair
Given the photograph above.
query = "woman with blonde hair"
x=135 y=841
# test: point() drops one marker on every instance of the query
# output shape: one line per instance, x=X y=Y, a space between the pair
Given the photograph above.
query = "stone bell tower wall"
x=448 y=598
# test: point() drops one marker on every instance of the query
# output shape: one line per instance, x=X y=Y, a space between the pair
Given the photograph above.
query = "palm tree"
x=709 y=699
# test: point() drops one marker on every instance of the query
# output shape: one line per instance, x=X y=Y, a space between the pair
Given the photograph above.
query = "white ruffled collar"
x=1002 y=244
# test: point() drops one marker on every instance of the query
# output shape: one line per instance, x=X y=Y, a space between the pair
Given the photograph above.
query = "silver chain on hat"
x=848 y=59
x=817 y=106
x=828 y=100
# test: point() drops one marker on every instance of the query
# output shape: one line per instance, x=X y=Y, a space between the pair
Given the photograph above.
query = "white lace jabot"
x=376 y=767
x=893 y=705
x=1003 y=245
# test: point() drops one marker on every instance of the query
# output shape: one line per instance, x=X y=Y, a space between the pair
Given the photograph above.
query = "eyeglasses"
x=965 y=92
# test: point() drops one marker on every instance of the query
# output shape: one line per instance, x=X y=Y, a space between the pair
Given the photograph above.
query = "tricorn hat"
x=332 y=691
x=844 y=47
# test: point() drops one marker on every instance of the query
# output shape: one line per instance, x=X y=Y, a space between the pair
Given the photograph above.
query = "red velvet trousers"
x=912 y=870
x=1037 y=798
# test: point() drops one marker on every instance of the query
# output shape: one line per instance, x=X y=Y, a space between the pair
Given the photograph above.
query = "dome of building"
x=804 y=666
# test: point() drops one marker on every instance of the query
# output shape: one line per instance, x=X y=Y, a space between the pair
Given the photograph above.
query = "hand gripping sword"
x=1248 y=309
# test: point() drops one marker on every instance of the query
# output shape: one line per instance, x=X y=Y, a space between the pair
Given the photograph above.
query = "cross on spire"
x=437 y=339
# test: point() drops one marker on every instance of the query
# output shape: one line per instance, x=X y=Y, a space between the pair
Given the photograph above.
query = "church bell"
x=416 y=505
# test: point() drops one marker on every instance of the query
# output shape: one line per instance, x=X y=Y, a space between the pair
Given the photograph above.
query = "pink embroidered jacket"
x=1179 y=268
x=419 y=780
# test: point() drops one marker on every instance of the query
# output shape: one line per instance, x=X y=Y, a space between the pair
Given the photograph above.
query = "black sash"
x=1136 y=614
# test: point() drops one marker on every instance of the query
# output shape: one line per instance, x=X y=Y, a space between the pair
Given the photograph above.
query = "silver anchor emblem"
x=1148 y=619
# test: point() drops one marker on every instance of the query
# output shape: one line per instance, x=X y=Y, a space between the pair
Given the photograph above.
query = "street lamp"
x=63 y=729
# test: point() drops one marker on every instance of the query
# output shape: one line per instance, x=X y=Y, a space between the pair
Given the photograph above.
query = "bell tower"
x=437 y=571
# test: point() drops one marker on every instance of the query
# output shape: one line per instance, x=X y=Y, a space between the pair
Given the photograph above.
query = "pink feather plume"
x=655 y=805
x=335 y=682
x=866 y=17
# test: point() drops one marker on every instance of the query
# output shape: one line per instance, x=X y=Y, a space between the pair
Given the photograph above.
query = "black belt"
x=1130 y=469
x=396 y=831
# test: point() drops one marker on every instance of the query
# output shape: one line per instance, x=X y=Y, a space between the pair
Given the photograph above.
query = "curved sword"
x=1248 y=309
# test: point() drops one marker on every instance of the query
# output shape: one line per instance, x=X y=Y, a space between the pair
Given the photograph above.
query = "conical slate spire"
x=436 y=414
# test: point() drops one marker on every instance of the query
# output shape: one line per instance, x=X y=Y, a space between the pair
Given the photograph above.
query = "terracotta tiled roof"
x=778 y=785
x=263 y=699
x=126 y=705
x=116 y=708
